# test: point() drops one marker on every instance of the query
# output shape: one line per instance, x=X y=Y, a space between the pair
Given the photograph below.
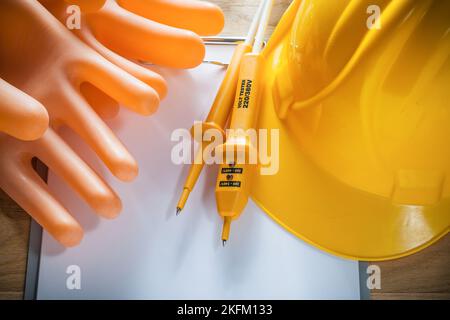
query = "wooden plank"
x=14 y=229
x=239 y=14
x=411 y=296
x=425 y=275
x=11 y=295
x=427 y=272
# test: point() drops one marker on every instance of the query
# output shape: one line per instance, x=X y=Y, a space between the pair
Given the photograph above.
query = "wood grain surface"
x=425 y=275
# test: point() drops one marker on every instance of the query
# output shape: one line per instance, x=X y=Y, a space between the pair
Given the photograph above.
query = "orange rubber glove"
x=157 y=31
x=164 y=32
x=88 y=5
x=47 y=62
x=21 y=116
x=43 y=59
x=23 y=184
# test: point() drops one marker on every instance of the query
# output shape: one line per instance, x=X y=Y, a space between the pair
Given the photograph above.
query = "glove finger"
x=21 y=116
x=78 y=115
x=151 y=78
x=24 y=185
x=118 y=84
x=87 y=5
x=61 y=159
x=137 y=38
x=201 y=17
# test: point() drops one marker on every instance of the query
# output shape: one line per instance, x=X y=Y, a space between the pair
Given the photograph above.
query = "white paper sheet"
x=149 y=253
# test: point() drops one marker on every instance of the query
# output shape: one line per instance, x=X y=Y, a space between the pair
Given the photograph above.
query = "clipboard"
x=149 y=253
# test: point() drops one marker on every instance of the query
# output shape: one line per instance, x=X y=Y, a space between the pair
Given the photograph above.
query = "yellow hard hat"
x=362 y=103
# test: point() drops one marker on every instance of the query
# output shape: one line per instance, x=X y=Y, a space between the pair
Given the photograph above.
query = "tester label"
x=244 y=93
x=232 y=170
x=235 y=184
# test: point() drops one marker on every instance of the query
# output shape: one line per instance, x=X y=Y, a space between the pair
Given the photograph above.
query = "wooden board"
x=425 y=275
